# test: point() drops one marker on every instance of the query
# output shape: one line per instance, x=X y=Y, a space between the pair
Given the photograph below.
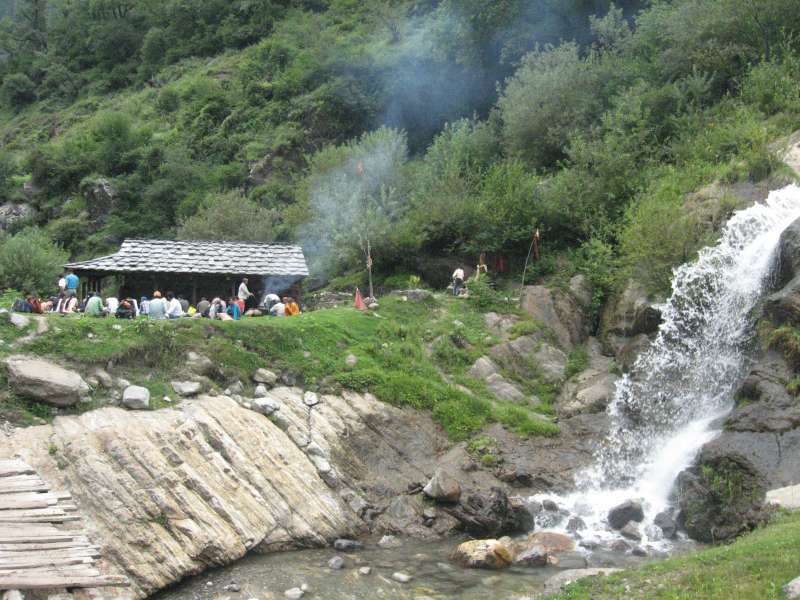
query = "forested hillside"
x=429 y=128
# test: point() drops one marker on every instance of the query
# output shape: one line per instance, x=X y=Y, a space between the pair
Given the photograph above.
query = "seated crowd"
x=159 y=307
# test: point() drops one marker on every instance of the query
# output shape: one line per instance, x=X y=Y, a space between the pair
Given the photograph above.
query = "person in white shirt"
x=458 y=281
x=62 y=284
x=271 y=300
x=112 y=304
x=174 y=308
x=278 y=309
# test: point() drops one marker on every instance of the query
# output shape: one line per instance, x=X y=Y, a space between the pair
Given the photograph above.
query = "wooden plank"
x=23 y=582
x=15 y=479
x=31 y=562
x=28 y=547
x=7 y=557
x=23 y=487
x=82 y=570
x=39 y=519
x=17 y=501
x=13 y=467
x=5 y=539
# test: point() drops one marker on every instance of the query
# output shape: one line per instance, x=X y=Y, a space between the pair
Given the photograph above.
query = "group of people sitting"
x=158 y=307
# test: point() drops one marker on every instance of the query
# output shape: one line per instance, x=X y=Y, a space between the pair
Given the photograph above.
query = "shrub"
x=229 y=216
x=18 y=90
x=30 y=261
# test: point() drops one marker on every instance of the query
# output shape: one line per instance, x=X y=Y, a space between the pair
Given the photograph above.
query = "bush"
x=230 y=216
x=18 y=90
x=31 y=262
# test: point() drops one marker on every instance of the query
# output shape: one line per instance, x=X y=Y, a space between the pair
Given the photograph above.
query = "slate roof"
x=165 y=256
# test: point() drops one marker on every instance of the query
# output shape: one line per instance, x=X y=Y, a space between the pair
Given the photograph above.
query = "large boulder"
x=187 y=388
x=591 y=390
x=443 y=487
x=721 y=496
x=558 y=311
x=482 y=554
x=789 y=254
x=492 y=514
x=45 y=381
x=622 y=514
x=531 y=356
x=628 y=317
x=502 y=389
x=551 y=542
x=136 y=397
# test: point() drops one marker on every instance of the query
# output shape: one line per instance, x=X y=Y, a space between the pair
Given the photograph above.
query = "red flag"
x=360 y=301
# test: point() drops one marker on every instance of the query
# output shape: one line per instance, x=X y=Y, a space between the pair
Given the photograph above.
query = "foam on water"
x=672 y=401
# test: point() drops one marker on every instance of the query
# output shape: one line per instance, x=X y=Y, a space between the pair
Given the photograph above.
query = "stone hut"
x=194 y=269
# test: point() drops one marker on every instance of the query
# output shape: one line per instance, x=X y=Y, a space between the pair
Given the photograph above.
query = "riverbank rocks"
x=621 y=515
x=631 y=532
x=45 y=381
x=187 y=389
x=492 y=514
x=443 y=487
x=345 y=545
x=136 y=397
x=482 y=554
x=627 y=324
x=721 y=496
x=558 y=311
x=551 y=542
x=266 y=377
x=666 y=522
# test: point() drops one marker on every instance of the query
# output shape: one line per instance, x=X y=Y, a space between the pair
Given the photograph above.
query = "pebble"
x=345 y=545
x=305 y=587
x=209 y=584
x=294 y=593
x=365 y=570
x=337 y=562
x=389 y=541
x=401 y=577
x=232 y=587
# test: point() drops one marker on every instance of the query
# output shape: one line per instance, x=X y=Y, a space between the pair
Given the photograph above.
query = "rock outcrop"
x=591 y=390
x=559 y=312
x=482 y=554
x=45 y=381
x=628 y=323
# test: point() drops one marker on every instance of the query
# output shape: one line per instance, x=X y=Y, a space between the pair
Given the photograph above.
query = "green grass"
x=408 y=353
x=577 y=361
x=755 y=567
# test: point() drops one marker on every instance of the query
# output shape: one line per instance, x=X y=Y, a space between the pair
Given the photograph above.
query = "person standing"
x=245 y=294
x=62 y=285
x=458 y=281
x=71 y=281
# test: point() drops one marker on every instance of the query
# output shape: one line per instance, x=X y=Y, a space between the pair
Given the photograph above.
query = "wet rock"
x=575 y=524
x=187 y=388
x=492 y=514
x=266 y=377
x=389 y=541
x=294 y=593
x=232 y=587
x=639 y=551
x=336 y=563
x=401 y=577
x=551 y=542
x=532 y=556
x=666 y=523
x=589 y=544
x=345 y=545
x=549 y=505
x=45 y=381
x=570 y=560
x=721 y=496
x=630 y=510
x=555 y=583
x=482 y=554
x=364 y=571
x=443 y=487
x=620 y=546
x=632 y=313
x=136 y=397
x=631 y=532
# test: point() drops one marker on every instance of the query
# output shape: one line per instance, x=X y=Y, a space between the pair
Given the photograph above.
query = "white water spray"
x=670 y=403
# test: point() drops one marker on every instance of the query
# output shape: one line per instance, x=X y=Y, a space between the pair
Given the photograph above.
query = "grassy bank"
x=755 y=567
x=406 y=353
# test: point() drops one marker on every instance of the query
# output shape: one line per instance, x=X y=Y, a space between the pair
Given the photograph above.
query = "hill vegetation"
x=430 y=128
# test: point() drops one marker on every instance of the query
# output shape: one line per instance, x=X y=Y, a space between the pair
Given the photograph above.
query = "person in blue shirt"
x=72 y=283
x=234 y=311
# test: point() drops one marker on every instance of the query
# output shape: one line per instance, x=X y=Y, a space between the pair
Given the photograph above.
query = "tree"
x=229 y=216
x=18 y=90
x=354 y=198
x=30 y=261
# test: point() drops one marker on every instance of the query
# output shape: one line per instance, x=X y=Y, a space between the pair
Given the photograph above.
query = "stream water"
x=665 y=410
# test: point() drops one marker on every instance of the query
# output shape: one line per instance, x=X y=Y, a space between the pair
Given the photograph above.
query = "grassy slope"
x=755 y=567
x=406 y=356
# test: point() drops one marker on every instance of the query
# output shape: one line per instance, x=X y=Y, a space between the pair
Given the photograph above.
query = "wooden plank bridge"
x=37 y=550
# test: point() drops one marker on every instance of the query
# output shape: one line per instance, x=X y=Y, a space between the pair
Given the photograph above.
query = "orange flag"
x=360 y=301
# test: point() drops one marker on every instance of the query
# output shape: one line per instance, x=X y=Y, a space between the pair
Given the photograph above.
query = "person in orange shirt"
x=292 y=308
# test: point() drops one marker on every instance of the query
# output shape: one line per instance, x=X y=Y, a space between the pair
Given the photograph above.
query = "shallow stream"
x=434 y=576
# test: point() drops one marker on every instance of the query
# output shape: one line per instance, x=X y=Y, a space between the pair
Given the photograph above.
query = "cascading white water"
x=666 y=408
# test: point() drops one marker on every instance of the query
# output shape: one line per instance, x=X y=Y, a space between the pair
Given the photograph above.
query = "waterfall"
x=672 y=401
